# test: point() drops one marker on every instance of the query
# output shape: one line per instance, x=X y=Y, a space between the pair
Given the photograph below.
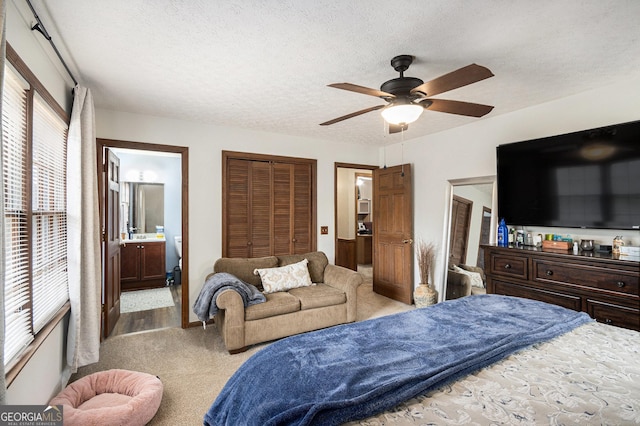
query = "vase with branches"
x=425 y=294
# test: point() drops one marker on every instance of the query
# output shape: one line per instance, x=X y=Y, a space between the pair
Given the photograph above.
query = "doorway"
x=164 y=169
x=353 y=216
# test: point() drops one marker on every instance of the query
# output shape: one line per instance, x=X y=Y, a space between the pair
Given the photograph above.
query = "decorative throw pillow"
x=285 y=277
x=476 y=278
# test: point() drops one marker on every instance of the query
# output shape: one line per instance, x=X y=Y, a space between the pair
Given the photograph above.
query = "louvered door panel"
x=260 y=210
x=237 y=209
x=302 y=209
x=282 y=208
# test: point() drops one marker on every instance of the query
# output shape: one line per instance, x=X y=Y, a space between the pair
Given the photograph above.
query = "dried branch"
x=426 y=255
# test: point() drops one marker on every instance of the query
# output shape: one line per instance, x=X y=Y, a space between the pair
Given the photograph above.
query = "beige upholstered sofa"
x=460 y=283
x=330 y=302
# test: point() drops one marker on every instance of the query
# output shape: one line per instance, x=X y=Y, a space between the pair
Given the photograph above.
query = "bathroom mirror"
x=471 y=222
x=145 y=204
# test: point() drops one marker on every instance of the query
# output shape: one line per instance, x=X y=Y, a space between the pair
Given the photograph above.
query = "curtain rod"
x=39 y=26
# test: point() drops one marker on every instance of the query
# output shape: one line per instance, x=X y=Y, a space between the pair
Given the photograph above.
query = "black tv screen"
x=585 y=179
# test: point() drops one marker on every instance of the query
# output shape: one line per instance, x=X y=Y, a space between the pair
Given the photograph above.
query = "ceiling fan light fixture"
x=402 y=113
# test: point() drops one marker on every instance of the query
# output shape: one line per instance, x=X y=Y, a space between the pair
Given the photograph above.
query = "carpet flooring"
x=193 y=363
x=144 y=300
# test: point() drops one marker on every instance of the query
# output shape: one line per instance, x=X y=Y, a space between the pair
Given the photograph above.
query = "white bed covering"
x=589 y=376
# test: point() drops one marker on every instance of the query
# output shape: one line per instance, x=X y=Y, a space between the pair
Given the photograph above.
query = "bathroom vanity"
x=142 y=264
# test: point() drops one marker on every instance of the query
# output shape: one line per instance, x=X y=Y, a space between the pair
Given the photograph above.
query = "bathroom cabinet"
x=142 y=265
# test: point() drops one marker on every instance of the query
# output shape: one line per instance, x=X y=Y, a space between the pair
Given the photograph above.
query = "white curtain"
x=3 y=385
x=85 y=282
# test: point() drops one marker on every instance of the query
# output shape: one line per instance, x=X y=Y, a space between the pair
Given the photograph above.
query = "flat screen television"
x=585 y=179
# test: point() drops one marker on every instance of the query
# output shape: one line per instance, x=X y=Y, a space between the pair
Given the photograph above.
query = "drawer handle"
x=507 y=266
x=549 y=272
x=620 y=284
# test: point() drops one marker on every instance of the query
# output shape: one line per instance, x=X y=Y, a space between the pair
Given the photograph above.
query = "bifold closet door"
x=248 y=215
x=292 y=208
x=269 y=206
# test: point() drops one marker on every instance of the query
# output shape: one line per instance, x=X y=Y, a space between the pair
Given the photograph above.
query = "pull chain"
x=402 y=149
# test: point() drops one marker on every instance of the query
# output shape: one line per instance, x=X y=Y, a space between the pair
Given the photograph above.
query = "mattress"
x=588 y=376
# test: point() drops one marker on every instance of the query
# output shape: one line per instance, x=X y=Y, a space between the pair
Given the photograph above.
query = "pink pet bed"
x=112 y=397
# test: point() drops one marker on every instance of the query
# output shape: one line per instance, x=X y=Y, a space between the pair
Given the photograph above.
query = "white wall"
x=346 y=207
x=469 y=151
x=206 y=143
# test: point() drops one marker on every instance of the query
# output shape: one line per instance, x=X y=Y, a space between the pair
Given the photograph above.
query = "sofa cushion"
x=475 y=277
x=243 y=268
x=318 y=296
x=317 y=262
x=285 y=278
x=277 y=304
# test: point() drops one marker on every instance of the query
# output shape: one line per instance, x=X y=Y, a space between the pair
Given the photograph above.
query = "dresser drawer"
x=608 y=313
x=509 y=265
x=565 y=300
x=609 y=280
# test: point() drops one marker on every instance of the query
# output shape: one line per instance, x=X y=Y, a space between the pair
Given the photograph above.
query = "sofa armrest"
x=346 y=280
x=477 y=269
x=232 y=327
x=458 y=285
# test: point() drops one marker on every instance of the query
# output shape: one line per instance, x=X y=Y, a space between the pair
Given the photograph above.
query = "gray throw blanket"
x=205 y=306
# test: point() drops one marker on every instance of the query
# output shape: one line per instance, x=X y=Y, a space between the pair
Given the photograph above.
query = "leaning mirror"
x=144 y=203
x=472 y=203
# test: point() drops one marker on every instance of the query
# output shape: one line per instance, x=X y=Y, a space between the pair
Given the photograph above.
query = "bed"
x=476 y=360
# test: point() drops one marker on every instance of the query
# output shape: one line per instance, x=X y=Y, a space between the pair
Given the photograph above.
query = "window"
x=34 y=143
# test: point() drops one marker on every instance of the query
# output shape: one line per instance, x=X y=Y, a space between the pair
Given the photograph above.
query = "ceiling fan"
x=408 y=97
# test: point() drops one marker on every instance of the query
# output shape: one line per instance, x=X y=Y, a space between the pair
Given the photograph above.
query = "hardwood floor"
x=134 y=322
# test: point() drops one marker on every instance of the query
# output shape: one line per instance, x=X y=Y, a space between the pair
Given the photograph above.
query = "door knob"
x=409 y=241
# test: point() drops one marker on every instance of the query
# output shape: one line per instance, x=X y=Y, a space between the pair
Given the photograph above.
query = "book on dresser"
x=605 y=286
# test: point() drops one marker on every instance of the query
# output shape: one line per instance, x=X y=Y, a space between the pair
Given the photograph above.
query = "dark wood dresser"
x=603 y=285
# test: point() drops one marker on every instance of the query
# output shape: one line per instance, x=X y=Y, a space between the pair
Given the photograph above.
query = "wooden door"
x=292 y=218
x=283 y=192
x=247 y=208
x=393 y=233
x=268 y=205
x=111 y=227
x=302 y=209
x=346 y=252
x=459 y=233
x=260 y=213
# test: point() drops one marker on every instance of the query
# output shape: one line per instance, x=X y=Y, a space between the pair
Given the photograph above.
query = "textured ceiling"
x=264 y=65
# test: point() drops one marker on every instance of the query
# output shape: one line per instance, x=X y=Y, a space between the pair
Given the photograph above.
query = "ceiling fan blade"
x=361 y=89
x=458 y=78
x=353 y=114
x=458 y=107
x=397 y=128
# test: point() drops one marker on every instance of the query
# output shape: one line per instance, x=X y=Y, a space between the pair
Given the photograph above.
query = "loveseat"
x=465 y=280
x=330 y=301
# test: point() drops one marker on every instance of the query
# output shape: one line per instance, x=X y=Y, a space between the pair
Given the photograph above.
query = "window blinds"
x=35 y=233
x=14 y=168
x=49 y=213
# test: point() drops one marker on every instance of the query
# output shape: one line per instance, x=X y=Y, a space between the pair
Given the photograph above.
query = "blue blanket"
x=205 y=305
x=353 y=371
